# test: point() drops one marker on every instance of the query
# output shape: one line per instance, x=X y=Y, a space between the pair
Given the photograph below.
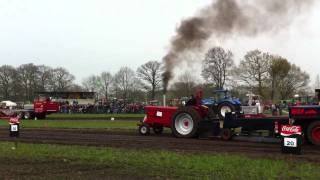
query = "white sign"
x=14 y=128
x=159 y=114
x=290 y=142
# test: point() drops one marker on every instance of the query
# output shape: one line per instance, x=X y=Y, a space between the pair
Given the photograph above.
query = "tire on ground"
x=226 y=134
x=185 y=122
x=313 y=133
x=27 y=115
x=226 y=107
x=144 y=129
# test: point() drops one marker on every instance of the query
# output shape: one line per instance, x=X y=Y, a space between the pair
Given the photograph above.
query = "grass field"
x=92 y=116
x=99 y=124
x=153 y=164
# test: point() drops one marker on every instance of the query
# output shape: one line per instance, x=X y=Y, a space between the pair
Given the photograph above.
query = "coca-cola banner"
x=287 y=130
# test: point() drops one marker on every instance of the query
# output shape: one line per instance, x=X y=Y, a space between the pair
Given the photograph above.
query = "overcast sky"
x=91 y=36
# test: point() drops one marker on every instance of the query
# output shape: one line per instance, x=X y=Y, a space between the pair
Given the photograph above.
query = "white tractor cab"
x=253 y=106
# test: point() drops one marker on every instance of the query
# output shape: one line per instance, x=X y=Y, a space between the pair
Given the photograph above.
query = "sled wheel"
x=226 y=134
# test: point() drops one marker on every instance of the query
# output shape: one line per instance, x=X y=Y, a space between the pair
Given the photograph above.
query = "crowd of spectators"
x=113 y=107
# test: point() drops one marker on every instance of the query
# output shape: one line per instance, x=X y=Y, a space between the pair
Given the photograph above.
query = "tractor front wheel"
x=185 y=122
x=144 y=129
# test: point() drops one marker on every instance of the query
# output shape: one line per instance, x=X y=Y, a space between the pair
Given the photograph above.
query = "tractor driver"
x=192 y=101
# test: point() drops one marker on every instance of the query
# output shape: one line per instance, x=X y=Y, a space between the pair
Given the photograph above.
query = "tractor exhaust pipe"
x=164 y=100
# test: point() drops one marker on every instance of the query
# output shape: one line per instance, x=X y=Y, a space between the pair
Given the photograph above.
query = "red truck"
x=41 y=107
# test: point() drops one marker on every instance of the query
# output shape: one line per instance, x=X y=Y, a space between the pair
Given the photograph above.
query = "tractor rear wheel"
x=313 y=133
x=224 y=108
x=185 y=122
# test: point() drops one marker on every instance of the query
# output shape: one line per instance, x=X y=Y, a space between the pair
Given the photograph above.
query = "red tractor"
x=183 y=121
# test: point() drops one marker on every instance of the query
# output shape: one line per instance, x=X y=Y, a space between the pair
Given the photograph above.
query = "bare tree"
x=216 y=66
x=75 y=88
x=44 y=74
x=61 y=79
x=278 y=70
x=124 y=81
x=27 y=74
x=106 y=80
x=21 y=84
x=296 y=81
x=254 y=69
x=99 y=84
x=17 y=90
x=6 y=81
x=150 y=74
x=91 y=83
x=185 y=85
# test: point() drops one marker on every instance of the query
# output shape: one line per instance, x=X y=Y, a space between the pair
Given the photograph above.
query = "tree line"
x=23 y=82
x=271 y=76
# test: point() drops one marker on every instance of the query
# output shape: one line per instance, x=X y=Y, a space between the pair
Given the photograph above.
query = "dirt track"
x=131 y=140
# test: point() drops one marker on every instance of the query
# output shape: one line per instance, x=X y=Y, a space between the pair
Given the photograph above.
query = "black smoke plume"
x=226 y=18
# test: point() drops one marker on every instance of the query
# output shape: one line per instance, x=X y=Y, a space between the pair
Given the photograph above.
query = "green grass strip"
x=98 y=124
x=162 y=164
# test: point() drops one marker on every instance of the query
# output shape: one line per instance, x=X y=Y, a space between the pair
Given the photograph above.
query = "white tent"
x=9 y=103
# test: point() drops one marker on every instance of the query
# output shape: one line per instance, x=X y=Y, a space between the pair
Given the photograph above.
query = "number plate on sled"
x=290 y=142
x=14 y=128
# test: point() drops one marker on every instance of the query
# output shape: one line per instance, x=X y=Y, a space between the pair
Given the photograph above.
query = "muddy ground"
x=131 y=140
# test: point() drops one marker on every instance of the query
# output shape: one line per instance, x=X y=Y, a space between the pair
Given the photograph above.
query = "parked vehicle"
x=222 y=103
x=41 y=107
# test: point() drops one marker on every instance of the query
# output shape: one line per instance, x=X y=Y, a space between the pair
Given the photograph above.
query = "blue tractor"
x=221 y=103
